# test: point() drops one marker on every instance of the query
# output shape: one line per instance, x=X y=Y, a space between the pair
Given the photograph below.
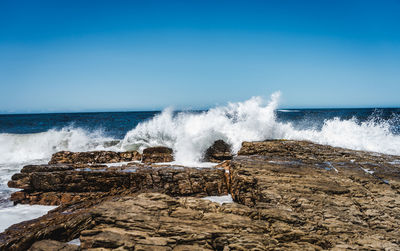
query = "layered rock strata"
x=157 y=154
x=330 y=197
x=56 y=184
x=67 y=157
x=289 y=195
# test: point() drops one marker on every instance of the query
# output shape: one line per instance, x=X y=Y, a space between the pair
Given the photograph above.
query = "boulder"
x=157 y=154
x=218 y=152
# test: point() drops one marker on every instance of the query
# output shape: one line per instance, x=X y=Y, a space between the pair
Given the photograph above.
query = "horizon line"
x=183 y=110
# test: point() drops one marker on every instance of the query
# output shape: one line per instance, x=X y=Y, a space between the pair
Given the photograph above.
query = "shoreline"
x=286 y=194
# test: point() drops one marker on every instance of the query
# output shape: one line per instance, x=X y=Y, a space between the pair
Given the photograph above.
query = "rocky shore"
x=288 y=195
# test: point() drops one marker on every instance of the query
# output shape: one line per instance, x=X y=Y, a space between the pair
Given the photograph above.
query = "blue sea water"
x=117 y=124
x=33 y=138
x=114 y=124
x=306 y=118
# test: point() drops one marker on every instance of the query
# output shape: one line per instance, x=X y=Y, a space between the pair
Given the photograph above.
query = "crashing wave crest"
x=190 y=134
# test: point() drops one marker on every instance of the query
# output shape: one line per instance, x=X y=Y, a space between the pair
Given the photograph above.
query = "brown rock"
x=51 y=245
x=61 y=224
x=154 y=221
x=319 y=194
x=66 y=157
x=218 y=152
x=290 y=195
x=64 y=185
x=157 y=154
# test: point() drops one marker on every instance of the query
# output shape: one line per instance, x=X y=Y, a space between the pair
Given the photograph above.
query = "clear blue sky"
x=140 y=55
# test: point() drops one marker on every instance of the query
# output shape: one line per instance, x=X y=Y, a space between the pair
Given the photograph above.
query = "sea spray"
x=366 y=136
x=17 y=148
x=190 y=134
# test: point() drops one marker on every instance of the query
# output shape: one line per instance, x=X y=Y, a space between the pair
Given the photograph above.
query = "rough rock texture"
x=330 y=197
x=55 y=184
x=160 y=222
x=93 y=157
x=63 y=224
x=157 y=154
x=290 y=195
x=51 y=245
x=307 y=152
x=218 y=152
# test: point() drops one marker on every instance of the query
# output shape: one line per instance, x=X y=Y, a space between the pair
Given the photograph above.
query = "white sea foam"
x=75 y=242
x=367 y=170
x=190 y=134
x=367 y=136
x=283 y=110
x=13 y=215
x=220 y=199
x=17 y=148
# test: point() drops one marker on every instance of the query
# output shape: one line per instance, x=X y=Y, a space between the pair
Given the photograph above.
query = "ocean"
x=33 y=138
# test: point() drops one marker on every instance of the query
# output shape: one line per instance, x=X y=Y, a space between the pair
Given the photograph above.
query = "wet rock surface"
x=289 y=195
x=67 y=157
x=55 y=184
x=218 y=152
x=62 y=224
x=157 y=154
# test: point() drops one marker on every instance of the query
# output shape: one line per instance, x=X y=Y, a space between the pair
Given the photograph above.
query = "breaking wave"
x=19 y=148
x=190 y=134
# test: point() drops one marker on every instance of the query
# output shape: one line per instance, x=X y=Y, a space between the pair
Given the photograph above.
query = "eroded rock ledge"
x=290 y=195
x=58 y=184
x=66 y=157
